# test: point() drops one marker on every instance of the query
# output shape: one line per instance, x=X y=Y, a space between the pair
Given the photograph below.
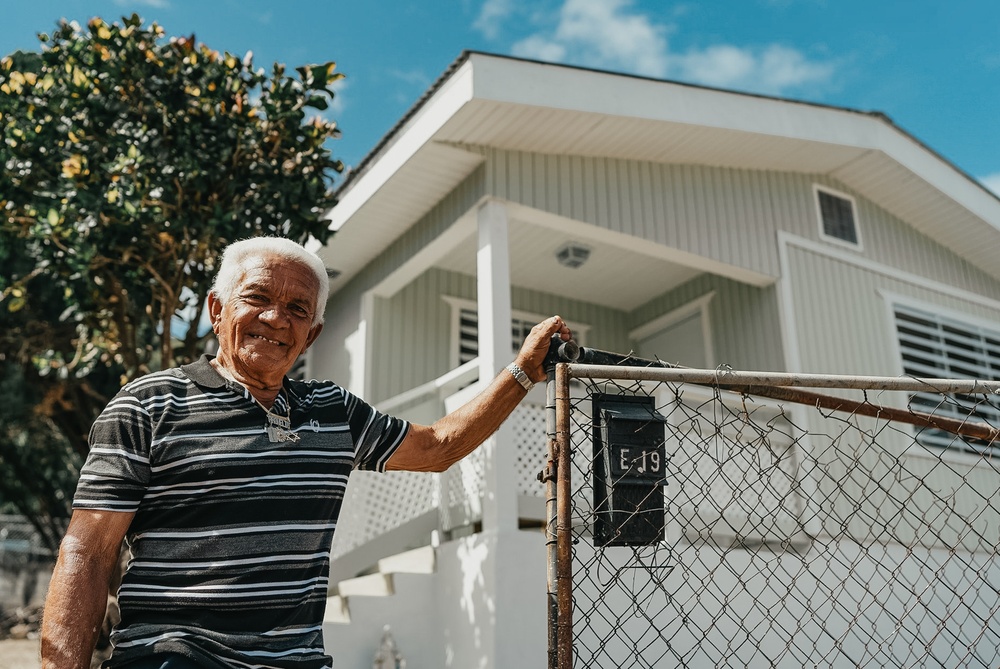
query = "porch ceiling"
x=518 y=105
x=613 y=276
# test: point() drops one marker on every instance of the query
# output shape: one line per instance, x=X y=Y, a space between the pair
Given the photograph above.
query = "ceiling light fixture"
x=572 y=254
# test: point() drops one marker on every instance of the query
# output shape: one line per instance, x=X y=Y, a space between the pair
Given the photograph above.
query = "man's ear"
x=214 y=311
x=313 y=334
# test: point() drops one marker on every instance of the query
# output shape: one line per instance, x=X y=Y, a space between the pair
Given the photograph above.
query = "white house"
x=702 y=226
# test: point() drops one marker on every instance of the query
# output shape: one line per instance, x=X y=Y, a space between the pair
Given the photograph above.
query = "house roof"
x=515 y=104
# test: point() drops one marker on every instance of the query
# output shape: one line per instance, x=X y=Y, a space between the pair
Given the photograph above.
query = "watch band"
x=521 y=377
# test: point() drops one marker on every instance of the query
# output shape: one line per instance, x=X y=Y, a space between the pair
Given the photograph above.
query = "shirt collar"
x=201 y=372
x=204 y=374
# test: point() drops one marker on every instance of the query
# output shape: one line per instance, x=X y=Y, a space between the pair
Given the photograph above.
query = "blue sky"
x=932 y=66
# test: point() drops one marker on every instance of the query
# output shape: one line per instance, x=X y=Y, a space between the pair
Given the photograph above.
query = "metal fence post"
x=564 y=521
x=547 y=476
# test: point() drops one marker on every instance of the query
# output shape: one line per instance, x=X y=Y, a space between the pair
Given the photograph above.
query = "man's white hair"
x=236 y=255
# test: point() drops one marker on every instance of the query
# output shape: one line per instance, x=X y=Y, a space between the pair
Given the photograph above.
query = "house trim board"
x=455 y=93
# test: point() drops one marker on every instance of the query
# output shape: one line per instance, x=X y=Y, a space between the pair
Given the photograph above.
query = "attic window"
x=837 y=216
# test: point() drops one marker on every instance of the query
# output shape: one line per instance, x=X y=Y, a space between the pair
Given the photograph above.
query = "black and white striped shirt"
x=231 y=537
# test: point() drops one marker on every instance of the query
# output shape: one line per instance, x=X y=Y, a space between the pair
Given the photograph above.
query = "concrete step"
x=417 y=561
x=380 y=584
x=337 y=611
x=373 y=585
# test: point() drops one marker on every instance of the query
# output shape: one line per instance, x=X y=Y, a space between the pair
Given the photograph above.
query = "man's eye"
x=255 y=297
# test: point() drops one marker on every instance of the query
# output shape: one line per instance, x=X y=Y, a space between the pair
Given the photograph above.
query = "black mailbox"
x=629 y=471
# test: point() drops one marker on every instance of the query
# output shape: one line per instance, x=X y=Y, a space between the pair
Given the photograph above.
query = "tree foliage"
x=130 y=160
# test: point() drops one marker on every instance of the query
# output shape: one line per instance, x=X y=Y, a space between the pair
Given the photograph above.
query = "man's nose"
x=276 y=316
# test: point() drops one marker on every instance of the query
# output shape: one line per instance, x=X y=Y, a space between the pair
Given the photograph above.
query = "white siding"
x=746 y=332
x=841 y=316
x=412 y=338
x=728 y=215
x=845 y=326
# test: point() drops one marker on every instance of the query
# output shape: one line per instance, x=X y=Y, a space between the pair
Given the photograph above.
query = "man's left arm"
x=434 y=448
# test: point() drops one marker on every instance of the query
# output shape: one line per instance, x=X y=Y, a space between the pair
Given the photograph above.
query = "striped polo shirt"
x=230 y=543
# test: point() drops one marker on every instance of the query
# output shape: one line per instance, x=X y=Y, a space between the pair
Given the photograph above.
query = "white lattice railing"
x=376 y=505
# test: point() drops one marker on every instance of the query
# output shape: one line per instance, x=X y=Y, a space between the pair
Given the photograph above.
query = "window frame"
x=823 y=234
x=964 y=326
x=459 y=304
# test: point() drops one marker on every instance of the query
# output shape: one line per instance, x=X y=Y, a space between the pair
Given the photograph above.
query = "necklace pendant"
x=277 y=435
x=282 y=422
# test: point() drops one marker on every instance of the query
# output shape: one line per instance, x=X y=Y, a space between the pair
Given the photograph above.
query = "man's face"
x=268 y=321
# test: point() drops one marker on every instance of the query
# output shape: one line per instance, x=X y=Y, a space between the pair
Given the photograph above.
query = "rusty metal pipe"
x=564 y=520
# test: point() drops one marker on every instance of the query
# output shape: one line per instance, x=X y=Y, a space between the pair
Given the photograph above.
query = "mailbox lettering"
x=638 y=461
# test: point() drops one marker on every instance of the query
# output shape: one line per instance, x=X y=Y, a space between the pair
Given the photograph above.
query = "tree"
x=130 y=160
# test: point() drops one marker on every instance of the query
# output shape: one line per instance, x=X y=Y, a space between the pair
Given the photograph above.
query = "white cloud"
x=992 y=181
x=491 y=15
x=540 y=48
x=602 y=33
x=611 y=34
x=773 y=69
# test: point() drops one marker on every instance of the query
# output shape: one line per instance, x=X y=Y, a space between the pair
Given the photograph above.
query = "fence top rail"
x=728 y=377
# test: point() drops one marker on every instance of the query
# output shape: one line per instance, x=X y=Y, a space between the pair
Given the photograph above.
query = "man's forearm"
x=438 y=446
x=74 y=612
x=78 y=593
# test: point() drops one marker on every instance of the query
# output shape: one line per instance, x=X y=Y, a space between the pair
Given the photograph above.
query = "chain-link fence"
x=25 y=564
x=722 y=519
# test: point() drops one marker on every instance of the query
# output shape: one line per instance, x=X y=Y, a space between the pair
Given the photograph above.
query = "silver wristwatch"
x=521 y=377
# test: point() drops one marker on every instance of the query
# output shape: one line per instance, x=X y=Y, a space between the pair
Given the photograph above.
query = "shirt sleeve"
x=116 y=473
x=376 y=435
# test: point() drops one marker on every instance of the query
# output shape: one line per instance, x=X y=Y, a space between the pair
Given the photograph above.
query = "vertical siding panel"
x=553 y=181
x=842 y=319
x=684 y=196
x=673 y=204
x=530 y=185
x=645 y=199
x=727 y=215
x=747 y=217
x=627 y=201
x=663 y=218
x=745 y=330
x=600 y=193
x=707 y=234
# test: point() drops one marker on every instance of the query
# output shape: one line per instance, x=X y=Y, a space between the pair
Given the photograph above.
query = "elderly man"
x=226 y=479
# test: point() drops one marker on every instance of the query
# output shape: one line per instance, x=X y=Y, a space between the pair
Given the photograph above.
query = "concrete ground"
x=19 y=654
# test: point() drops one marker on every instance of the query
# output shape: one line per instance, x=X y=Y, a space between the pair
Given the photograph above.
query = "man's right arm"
x=78 y=593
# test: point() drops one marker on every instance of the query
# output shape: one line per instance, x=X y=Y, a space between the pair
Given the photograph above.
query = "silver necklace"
x=278 y=427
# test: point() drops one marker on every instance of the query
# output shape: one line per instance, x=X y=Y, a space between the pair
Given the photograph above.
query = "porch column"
x=493 y=272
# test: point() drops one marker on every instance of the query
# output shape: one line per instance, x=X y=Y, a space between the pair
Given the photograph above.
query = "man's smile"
x=268 y=340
